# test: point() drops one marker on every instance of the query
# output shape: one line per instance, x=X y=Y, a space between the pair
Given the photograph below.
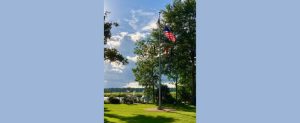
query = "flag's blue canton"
x=166 y=29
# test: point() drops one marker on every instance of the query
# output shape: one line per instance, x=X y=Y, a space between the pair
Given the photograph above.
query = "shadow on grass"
x=181 y=107
x=140 y=119
x=106 y=110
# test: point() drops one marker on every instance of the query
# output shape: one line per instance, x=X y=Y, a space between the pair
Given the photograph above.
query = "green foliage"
x=184 y=94
x=181 y=17
x=146 y=71
x=180 y=62
x=107 y=27
x=112 y=54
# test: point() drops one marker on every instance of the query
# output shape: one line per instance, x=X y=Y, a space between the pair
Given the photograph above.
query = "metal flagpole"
x=159 y=86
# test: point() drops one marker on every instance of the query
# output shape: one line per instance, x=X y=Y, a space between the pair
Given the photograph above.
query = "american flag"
x=169 y=34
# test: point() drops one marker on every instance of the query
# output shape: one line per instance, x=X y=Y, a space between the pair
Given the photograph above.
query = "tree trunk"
x=193 y=78
x=176 y=89
x=153 y=84
x=153 y=93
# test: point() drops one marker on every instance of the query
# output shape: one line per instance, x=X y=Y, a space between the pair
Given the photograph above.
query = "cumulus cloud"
x=137 y=36
x=142 y=22
x=115 y=40
x=151 y=25
x=133 y=84
x=114 y=43
x=118 y=67
x=114 y=66
x=132 y=58
x=123 y=34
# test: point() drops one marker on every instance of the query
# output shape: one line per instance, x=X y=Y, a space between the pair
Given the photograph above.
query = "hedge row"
x=125 y=100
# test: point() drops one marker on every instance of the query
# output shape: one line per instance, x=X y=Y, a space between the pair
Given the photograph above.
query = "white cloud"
x=141 y=27
x=115 y=41
x=139 y=18
x=143 y=13
x=118 y=67
x=133 y=84
x=137 y=36
x=114 y=67
x=151 y=25
x=133 y=58
x=123 y=34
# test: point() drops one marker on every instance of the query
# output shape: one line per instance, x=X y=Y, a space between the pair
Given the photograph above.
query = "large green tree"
x=181 y=17
x=180 y=62
x=146 y=71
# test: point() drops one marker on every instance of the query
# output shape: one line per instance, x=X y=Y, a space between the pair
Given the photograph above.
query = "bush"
x=128 y=99
x=113 y=100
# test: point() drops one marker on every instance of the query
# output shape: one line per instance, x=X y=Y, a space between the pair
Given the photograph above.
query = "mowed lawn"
x=137 y=113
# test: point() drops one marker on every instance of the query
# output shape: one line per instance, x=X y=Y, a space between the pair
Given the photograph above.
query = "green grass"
x=136 y=113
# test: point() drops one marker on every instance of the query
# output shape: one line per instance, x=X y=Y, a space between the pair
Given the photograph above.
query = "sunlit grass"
x=136 y=113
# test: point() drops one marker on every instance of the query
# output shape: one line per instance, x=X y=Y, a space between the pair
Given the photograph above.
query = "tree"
x=181 y=17
x=179 y=62
x=146 y=72
x=111 y=54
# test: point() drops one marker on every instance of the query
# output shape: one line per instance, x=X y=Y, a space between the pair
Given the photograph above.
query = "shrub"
x=113 y=100
x=128 y=99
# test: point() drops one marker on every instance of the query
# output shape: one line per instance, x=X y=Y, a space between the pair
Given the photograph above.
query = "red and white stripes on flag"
x=169 y=34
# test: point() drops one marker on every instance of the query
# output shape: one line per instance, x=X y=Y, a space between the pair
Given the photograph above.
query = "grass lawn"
x=136 y=113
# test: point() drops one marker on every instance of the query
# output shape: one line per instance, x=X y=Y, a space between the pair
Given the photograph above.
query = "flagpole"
x=159 y=86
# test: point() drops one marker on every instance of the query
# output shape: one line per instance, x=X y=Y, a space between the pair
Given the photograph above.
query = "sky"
x=136 y=20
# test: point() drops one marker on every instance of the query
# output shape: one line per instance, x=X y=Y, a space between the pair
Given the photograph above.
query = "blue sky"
x=136 y=19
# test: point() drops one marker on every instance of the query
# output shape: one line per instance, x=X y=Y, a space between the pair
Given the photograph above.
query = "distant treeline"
x=109 y=90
